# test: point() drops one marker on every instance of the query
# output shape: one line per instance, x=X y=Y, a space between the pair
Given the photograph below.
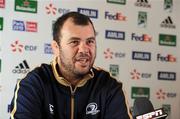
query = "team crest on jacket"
x=92 y=108
x=51 y=109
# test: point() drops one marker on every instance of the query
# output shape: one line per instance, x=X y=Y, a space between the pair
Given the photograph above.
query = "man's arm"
x=117 y=107
x=26 y=103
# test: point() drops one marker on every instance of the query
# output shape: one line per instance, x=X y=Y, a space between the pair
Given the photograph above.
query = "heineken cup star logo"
x=51 y=9
x=16 y=46
x=108 y=54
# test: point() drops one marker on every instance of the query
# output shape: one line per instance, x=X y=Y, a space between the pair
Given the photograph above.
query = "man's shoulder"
x=43 y=68
x=98 y=70
x=105 y=81
x=42 y=72
x=104 y=75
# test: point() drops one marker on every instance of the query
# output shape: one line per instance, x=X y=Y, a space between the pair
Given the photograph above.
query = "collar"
x=65 y=82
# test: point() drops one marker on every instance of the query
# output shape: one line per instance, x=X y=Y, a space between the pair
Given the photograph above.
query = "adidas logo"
x=142 y=3
x=168 y=23
x=146 y=1
x=22 y=68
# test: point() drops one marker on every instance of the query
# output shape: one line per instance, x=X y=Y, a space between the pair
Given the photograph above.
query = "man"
x=70 y=87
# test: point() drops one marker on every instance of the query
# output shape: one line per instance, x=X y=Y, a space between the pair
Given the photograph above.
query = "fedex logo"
x=28 y=26
x=167 y=58
x=117 y=16
x=143 y=37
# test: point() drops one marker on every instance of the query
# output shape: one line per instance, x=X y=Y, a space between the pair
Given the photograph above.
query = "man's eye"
x=74 y=42
x=91 y=41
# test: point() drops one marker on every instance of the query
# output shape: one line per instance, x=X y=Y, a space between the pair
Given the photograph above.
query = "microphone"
x=143 y=109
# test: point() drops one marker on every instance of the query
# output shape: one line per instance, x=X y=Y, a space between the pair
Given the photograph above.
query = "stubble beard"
x=68 y=68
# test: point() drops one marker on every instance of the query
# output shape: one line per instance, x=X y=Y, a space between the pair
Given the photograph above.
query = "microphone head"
x=141 y=106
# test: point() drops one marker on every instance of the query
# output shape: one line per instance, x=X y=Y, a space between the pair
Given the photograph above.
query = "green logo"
x=114 y=69
x=123 y=2
x=1 y=23
x=140 y=92
x=26 y=6
x=167 y=40
x=142 y=19
x=168 y=5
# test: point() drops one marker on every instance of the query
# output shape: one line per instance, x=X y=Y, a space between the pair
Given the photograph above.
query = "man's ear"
x=55 y=48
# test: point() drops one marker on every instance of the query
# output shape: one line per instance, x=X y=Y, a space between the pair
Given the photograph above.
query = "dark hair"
x=78 y=19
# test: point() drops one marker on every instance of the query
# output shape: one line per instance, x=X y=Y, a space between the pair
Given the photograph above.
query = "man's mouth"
x=83 y=61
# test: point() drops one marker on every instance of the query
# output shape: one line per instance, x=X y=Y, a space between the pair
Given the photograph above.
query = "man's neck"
x=72 y=79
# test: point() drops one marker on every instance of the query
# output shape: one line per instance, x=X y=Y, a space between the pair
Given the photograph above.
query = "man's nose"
x=83 y=47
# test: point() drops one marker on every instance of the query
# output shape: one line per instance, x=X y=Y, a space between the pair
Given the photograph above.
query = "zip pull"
x=73 y=89
x=72 y=101
x=72 y=94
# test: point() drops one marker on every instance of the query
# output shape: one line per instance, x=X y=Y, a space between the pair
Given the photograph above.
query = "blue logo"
x=47 y=48
x=8 y=108
x=166 y=75
x=18 y=25
x=118 y=35
x=136 y=55
x=92 y=13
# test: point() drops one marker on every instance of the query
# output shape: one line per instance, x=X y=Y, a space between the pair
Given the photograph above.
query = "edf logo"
x=19 y=47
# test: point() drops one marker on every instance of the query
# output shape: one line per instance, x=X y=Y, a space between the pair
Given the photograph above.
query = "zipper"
x=72 y=101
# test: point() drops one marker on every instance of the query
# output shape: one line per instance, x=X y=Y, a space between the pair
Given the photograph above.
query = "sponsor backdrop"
x=138 y=42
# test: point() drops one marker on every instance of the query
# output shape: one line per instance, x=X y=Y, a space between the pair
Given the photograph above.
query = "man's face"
x=77 y=49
